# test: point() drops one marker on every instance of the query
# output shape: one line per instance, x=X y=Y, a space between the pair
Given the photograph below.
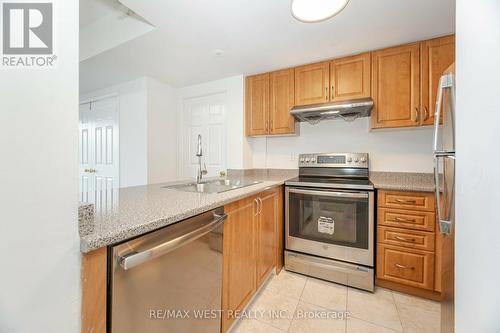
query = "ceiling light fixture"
x=310 y=11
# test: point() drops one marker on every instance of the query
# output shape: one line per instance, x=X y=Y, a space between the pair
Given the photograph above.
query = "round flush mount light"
x=311 y=11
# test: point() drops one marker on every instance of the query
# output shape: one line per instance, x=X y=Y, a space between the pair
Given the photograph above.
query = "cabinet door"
x=239 y=268
x=265 y=236
x=436 y=56
x=257 y=104
x=350 y=78
x=396 y=86
x=281 y=100
x=312 y=83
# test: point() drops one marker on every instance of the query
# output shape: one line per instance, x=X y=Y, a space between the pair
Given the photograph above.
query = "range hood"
x=347 y=110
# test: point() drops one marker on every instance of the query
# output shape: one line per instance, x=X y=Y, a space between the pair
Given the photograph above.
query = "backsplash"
x=397 y=150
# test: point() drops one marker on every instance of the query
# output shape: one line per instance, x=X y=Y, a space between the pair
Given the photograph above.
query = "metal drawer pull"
x=402 y=219
x=405 y=239
x=403 y=267
x=408 y=201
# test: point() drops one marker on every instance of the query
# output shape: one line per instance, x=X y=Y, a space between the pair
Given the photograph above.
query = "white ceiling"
x=256 y=36
x=93 y=10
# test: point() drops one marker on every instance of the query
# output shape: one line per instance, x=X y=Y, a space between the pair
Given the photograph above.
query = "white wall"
x=162 y=132
x=147 y=130
x=238 y=148
x=478 y=179
x=39 y=247
x=390 y=150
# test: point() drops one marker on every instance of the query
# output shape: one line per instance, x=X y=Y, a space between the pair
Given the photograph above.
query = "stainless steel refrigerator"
x=444 y=178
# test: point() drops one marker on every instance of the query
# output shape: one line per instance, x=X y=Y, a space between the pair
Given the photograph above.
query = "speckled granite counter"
x=403 y=181
x=133 y=211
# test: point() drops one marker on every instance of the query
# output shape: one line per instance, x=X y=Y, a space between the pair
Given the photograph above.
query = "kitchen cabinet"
x=249 y=253
x=265 y=240
x=312 y=83
x=436 y=56
x=396 y=86
x=239 y=264
x=257 y=104
x=407 y=243
x=269 y=98
x=350 y=78
x=405 y=82
x=282 y=94
x=94 y=284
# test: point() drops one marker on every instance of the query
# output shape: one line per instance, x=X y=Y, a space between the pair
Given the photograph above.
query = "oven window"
x=335 y=220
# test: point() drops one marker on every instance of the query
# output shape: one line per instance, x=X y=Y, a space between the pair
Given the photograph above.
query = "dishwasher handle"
x=134 y=259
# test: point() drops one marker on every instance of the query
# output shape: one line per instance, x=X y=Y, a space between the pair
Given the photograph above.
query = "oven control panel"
x=334 y=160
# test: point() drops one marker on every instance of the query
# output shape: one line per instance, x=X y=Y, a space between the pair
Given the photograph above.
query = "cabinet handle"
x=403 y=267
x=406 y=201
x=326 y=93
x=258 y=206
x=405 y=239
x=271 y=126
x=267 y=126
x=426 y=113
x=417 y=115
x=333 y=93
x=402 y=219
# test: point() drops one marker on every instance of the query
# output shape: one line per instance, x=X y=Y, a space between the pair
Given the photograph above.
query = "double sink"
x=211 y=186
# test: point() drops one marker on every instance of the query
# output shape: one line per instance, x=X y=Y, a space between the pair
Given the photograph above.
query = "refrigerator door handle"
x=445 y=82
x=444 y=224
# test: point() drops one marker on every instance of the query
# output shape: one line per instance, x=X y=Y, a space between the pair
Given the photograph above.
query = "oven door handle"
x=358 y=195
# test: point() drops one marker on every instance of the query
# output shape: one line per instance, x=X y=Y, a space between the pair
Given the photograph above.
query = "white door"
x=206 y=116
x=99 y=150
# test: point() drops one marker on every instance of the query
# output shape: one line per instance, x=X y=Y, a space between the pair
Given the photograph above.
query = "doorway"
x=99 y=151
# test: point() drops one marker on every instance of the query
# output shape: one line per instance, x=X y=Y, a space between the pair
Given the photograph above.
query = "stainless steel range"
x=330 y=219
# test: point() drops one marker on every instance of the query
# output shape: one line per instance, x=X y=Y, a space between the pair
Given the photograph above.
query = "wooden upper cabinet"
x=312 y=83
x=257 y=104
x=350 y=78
x=396 y=86
x=282 y=93
x=436 y=56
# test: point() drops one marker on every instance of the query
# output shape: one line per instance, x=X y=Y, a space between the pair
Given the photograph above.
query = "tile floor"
x=287 y=298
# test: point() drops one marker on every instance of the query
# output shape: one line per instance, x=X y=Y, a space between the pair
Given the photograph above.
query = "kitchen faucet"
x=199 y=153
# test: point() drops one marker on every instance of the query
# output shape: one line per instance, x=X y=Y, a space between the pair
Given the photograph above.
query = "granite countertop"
x=134 y=211
x=403 y=181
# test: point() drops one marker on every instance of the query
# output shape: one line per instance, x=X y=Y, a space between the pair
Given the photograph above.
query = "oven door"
x=330 y=223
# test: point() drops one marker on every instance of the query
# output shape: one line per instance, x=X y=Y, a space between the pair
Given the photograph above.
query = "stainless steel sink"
x=211 y=186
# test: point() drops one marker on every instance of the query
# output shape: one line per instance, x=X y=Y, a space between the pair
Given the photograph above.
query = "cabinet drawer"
x=405 y=266
x=407 y=200
x=406 y=219
x=407 y=238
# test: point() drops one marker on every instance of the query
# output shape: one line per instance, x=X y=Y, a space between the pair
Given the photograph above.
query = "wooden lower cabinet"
x=94 y=277
x=249 y=249
x=407 y=243
x=407 y=266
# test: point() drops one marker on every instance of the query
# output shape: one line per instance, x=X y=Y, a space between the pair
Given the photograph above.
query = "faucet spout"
x=199 y=153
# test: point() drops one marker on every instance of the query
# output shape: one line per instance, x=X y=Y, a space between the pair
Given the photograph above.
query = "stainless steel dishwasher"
x=169 y=280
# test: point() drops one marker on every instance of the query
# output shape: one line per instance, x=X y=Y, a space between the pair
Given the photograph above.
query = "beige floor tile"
x=417 y=302
x=417 y=320
x=254 y=326
x=377 y=308
x=355 y=325
x=326 y=294
x=288 y=284
x=305 y=320
x=277 y=310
